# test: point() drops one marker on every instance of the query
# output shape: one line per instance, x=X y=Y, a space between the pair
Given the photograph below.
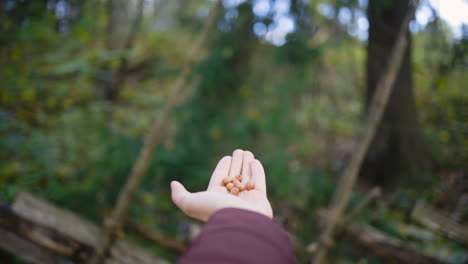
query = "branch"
x=379 y=243
x=439 y=222
x=386 y=247
x=155 y=134
x=34 y=229
x=27 y=250
x=350 y=218
x=370 y=197
x=157 y=237
x=376 y=110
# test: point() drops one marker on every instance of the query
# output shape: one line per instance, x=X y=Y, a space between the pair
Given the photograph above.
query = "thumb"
x=179 y=194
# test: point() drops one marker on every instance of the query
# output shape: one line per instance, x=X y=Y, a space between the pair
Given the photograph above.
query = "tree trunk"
x=397 y=152
x=118 y=23
x=117 y=30
x=376 y=110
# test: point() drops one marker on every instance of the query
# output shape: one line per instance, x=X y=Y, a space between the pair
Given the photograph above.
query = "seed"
x=239 y=177
x=239 y=185
x=227 y=180
x=250 y=185
x=235 y=191
x=229 y=186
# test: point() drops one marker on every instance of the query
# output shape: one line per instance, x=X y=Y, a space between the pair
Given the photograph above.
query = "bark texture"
x=367 y=134
x=398 y=151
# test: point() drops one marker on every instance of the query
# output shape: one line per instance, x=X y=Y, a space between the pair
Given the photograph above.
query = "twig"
x=350 y=218
x=370 y=197
x=376 y=110
x=157 y=237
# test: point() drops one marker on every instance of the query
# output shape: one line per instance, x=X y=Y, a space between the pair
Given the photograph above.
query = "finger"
x=179 y=195
x=236 y=163
x=221 y=171
x=247 y=157
x=258 y=175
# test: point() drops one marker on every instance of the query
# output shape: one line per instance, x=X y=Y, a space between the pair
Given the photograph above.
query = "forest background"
x=290 y=80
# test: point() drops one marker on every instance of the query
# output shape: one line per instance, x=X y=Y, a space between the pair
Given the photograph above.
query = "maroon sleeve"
x=240 y=236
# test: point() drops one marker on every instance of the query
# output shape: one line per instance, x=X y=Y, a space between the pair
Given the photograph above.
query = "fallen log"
x=380 y=244
x=40 y=232
x=440 y=223
x=50 y=217
x=27 y=250
x=25 y=233
x=386 y=247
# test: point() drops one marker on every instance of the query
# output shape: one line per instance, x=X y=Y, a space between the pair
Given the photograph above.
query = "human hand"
x=201 y=205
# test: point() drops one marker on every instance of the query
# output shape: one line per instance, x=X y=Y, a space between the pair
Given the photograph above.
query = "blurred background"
x=81 y=82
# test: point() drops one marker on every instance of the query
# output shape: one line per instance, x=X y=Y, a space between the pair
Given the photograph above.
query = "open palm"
x=201 y=205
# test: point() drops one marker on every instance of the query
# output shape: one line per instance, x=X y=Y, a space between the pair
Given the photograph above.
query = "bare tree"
x=376 y=110
x=397 y=154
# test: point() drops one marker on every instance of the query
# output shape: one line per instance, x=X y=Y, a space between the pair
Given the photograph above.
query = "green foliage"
x=297 y=107
x=440 y=78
